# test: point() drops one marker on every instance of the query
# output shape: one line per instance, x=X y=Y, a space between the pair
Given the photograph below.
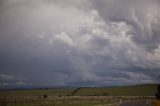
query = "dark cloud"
x=79 y=42
x=142 y=15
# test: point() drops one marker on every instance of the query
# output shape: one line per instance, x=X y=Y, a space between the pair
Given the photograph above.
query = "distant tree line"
x=75 y=91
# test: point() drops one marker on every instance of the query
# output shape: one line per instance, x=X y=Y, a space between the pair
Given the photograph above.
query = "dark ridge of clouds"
x=79 y=42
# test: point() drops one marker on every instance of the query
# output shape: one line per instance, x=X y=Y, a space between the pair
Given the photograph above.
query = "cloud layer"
x=79 y=42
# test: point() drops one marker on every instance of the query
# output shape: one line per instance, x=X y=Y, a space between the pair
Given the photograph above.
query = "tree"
x=158 y=94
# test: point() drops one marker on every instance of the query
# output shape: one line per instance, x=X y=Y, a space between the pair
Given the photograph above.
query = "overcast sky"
x=79 y=42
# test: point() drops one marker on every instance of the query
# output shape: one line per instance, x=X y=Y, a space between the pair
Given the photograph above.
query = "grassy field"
x=97 y=96
x=36 y=93
x=138 y=90
x=60 y=101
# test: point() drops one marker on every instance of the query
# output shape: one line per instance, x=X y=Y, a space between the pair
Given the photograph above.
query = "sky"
x=79 y=42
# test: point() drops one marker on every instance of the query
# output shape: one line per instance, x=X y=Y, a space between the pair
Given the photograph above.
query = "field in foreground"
x=102 y=96
x=78 y=101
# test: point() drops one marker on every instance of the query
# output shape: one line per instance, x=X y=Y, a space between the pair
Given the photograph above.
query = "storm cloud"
x=79 y=42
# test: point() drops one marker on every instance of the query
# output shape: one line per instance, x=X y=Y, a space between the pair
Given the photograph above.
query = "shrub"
x=45 y=96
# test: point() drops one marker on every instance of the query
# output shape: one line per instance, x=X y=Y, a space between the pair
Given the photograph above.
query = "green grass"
x=138 y=90
x=97 y=96
x=35 y=93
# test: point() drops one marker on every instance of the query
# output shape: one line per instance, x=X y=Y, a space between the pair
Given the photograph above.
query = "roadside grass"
x=61 y=103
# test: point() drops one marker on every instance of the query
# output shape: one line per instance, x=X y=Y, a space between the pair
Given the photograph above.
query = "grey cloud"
x=143 y=15
x=83 y=42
